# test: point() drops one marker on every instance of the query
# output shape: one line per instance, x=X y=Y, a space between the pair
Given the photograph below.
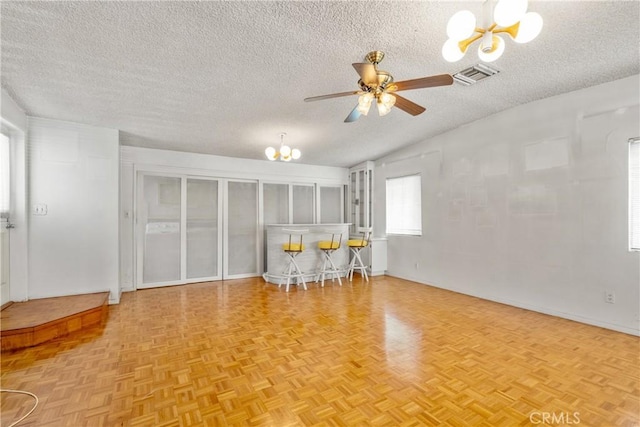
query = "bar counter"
x=310 y=260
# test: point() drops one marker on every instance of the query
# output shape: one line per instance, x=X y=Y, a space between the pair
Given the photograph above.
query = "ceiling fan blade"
x=432 y=81
x=333 y=95
x=367 y=73
x=353 y=115
x=408 y=106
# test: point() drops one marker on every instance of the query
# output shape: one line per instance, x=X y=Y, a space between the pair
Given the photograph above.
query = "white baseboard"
x=569 y=316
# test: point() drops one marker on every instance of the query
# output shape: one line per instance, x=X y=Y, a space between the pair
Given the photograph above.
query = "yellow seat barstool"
x=293 y=248
x=328 y=247
x=357 y=245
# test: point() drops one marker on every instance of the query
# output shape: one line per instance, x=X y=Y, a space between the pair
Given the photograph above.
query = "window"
x=404 y=205
x=634 y=194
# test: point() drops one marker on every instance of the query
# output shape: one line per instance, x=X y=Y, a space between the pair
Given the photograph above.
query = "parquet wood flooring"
x=24 y=324
x=384 y=353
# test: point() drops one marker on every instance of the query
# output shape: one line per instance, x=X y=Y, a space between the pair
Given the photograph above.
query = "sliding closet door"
x=195 y=229
x=159 y=218
x=204 y=226
x=241 y=240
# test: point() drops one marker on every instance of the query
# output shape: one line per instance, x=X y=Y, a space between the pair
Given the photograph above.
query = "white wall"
x=74 y=171
x=135 y=159
x=14 y=122
x=12 y=113
x=529 y=207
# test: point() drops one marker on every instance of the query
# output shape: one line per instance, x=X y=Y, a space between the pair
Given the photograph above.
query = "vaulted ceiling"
x=226 y=77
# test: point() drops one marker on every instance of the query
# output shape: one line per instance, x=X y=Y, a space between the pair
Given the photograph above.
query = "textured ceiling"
x=226 y=78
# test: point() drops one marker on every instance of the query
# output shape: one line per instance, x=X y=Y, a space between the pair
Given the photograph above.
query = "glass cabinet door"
x=361 y=198
x=354 y=201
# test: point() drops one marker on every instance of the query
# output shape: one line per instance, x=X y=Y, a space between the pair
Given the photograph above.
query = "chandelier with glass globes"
x=509 y=16
x=284 y=153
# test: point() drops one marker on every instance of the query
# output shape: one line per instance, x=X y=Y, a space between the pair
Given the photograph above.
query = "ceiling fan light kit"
x=364 y=103
x=285 y=153
x=384 y=102
x=379 y=85
x=509 y=16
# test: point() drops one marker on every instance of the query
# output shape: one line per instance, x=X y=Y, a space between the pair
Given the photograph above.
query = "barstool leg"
x=321 y=273
x=357 y=264
x=352 y=264
x=289 y=272
x=285 y=273
x=334 y=269
x=298 y=273
x=363 y=268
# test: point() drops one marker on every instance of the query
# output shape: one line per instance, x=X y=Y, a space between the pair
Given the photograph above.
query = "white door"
x=5 y=289
x=241 y=250
x=204 y=230
x=159 y=231
x=5 y=188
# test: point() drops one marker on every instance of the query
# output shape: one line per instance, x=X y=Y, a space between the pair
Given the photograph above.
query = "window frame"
x=404 y=231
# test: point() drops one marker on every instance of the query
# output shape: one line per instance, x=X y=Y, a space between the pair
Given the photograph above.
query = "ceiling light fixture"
x=509 y=16
x=285 y=153
x=384 y=102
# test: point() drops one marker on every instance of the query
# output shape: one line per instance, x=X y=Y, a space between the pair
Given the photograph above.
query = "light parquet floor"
x=384 y=353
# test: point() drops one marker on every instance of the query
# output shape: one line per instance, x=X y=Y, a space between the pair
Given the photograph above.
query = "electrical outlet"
x=416 y=265
x=609 y=297
x=40 y=209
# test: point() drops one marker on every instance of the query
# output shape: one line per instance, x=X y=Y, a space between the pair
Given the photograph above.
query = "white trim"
x=531 y=307
x=231 y=167
x=634 y=217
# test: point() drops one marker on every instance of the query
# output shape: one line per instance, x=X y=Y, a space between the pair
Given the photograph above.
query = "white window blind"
x=634 y=194
x=404 y=205
x=5 y=176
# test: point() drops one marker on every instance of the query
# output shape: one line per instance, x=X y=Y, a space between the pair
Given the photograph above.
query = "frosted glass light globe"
x=388 y=100
x=529 y=28
x=461 y=25
x=451 y=51
x=508 y=12
x=364 y=103
x=270 y=152
x=285 y=151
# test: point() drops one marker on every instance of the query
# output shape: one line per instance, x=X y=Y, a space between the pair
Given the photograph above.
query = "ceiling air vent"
x=473 y=75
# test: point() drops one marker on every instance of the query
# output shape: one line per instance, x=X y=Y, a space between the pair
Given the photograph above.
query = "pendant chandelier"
x=285 y=153
x=509 y=16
